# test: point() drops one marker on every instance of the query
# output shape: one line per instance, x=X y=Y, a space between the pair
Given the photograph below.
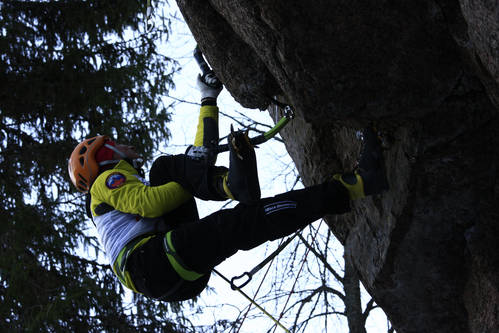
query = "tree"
x=71 y=69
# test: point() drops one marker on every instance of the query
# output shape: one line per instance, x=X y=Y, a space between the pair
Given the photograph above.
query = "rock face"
x=427 y=74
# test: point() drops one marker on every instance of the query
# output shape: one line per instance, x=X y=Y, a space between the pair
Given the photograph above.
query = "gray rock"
x=426 y=73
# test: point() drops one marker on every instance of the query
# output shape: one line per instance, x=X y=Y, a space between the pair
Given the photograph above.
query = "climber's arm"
x=207 y=130
x=133 y=197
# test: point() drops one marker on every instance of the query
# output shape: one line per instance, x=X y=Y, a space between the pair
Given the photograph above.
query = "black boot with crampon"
x=241 y=183
x=369 y=177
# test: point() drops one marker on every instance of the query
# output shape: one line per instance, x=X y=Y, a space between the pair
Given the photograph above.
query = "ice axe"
x=209 y=77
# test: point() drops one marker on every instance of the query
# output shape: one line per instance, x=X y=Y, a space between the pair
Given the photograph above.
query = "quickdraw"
x=277 y=322
x=249 y=275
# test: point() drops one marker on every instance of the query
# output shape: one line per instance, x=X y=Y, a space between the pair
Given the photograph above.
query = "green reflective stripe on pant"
x=176 y=262
x=119 y=265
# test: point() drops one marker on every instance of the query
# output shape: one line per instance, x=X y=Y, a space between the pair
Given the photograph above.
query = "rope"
x=253 y=302
x=257 y=291
x=298 y=275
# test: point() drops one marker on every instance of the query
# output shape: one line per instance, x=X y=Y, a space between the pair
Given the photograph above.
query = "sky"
x=277 y=174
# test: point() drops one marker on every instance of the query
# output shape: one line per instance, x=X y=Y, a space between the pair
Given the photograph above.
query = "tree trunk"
x=353 y=305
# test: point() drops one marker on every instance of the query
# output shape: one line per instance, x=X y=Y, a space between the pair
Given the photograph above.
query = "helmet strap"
x=136 y=163
x=116 y=150
x=108 y=162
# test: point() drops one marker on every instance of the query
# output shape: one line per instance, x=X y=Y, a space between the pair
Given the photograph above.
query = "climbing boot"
x=369 y=177
x=241 y=183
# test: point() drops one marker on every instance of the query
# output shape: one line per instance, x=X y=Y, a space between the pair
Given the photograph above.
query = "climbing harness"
x=288 y=110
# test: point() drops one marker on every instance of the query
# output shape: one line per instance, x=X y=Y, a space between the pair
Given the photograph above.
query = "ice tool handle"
x=287 y=109
x=205 y=69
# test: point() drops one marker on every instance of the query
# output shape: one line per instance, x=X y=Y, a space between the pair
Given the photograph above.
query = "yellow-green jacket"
x=124 y=206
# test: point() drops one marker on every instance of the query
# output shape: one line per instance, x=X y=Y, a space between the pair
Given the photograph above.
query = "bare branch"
x=253 y=123
x=321 y=257
x=183 y=100
x=371 y=305
x=297 y=180
x=325 y=314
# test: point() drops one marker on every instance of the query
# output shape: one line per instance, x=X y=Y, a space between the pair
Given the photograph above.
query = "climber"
x=151 y=232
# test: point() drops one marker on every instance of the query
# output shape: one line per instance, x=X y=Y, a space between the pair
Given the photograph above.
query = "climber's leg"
x=196 y=176
x=204 y=244
x=241 y=182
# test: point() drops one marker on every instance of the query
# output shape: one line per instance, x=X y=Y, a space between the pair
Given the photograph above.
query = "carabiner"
x=233 y=284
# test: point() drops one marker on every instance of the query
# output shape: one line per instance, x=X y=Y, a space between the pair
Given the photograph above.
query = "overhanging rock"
x=425 y=72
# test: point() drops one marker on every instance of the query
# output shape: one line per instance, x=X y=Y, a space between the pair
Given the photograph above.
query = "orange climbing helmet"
x=83 y=167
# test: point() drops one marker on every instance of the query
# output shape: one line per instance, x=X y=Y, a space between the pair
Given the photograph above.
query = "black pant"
x=203 y=244
x=148 y=266
x=206 y=243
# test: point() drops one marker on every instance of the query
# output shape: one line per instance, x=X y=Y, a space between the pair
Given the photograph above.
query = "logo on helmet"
x=115 y=180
